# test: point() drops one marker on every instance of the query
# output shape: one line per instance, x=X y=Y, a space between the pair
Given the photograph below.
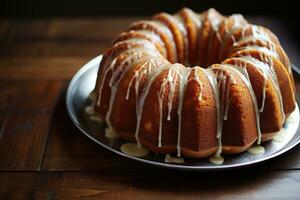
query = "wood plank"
x=63 y=152
x=95 y=28
x=18 y=49
x=58 y=48
x=23 y=140
x=69 y=150
x=71 y=28
x=77 y=38
x=29 y=96
x=34 y=52
x=22 y=69
x=90 y=28
x=157 y=183
x=24 y=37
x=27 y=115
x=4 y=27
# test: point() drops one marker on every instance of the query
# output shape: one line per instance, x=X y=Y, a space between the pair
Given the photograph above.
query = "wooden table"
x=44 y=156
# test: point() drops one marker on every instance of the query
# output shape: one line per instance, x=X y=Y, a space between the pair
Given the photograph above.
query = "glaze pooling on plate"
x=216 y=160
x=173 y=108
x=171 y=159
x=133 y=149
x=77 y=99
x=111 y=133
x=136 y=150
x=256 y=149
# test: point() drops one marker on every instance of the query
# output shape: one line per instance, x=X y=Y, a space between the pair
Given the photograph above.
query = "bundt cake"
x=195 y=85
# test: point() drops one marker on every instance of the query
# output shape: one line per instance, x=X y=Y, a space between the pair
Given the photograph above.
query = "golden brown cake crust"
x=147 y=97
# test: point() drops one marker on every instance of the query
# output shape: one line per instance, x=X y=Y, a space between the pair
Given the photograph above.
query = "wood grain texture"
x=63 y=152
x=37 y=69
x=69 y=150
x=155 y=184
x=27 y=113
x=44 y=156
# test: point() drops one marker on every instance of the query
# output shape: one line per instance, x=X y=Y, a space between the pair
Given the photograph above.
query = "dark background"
x=285 y=10
x=52 y=8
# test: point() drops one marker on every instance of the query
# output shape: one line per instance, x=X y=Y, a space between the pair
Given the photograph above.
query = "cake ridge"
x=231 y=98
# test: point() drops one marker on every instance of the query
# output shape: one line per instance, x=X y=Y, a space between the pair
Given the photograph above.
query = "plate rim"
x=91 y=63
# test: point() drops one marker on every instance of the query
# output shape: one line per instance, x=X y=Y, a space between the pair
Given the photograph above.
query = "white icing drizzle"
x=139 y=110
x=140 y=55
x=171 y=80
x=214 y=84
x=224 y=83
x=259 y=34
x=180 y=24
x=237 y=19
x=139 y=73
x=144 y=52
x=171 y=159
x=263 y=69
x=185 y=72
x=113 y=83
x=139 y=78
x=168 y=32
x=214 y=24
x=242 y=72
x=269 y=61
x=111 y=66
x=196 y=18
x=214 y=21
x=262 y=49
x=155 y=38
x=163 y=27
x=146 y=46
x=253 y=39
x=265 y=65
x=160 y=99
x=152 y=35
x=256 y=33
x=197 y=79
x=130 y=61
x=268 y=48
